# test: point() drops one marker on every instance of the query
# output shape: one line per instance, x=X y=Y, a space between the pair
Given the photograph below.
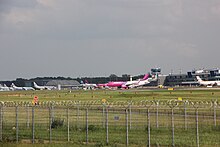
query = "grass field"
x=119 y=95
x=138 y=135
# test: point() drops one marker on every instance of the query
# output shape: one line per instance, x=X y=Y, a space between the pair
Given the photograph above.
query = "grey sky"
x=75 y=38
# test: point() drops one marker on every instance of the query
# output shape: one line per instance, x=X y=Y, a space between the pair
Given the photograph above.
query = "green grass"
x=118 y=95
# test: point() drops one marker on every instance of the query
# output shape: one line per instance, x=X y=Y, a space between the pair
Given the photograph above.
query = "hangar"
x=64 y=84
x=60 y=84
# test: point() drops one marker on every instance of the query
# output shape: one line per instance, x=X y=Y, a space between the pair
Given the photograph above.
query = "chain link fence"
x=143 y=123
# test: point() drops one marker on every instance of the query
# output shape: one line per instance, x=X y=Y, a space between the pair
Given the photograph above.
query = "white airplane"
x=4 y=88
x=37 y=87
x=132 y=84
x=140 y=82
x=87 y=85
x=14 y=87
x=207 y=83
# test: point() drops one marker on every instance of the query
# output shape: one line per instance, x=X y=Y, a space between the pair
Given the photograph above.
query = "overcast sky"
x=78 y=38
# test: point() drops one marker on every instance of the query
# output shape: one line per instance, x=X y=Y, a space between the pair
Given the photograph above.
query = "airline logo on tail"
x=146 y=77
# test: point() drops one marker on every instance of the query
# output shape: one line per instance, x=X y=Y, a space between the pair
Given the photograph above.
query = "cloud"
x=100 y=37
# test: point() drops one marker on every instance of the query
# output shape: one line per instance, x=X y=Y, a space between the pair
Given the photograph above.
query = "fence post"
x=185 y=116
x=33 y=125
x=68 y=126
x=50 y=123
x=130 y=114
x=77 y=118
x=106 y=125
x=16 y=116
x=157 y=124
x=214 y=113
x=172 y=123
x=197 y=128
x=148 y=126
x=103 y=117
x=1 y=121
x=87 y=126
x=126 y=116
x=52 y=113
x=172 y=104
x=27 y=110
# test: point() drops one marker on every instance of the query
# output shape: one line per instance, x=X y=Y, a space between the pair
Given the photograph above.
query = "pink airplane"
x=118 y=84
x=123 y=84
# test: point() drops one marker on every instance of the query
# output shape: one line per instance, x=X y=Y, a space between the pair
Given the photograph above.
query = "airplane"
x=207 y=83
x=14 y=87
x=127 y=84
x=118 y=84
x=131 y=84
x=87 y=85
x=37 y=87
x=142 y=82
x=4 y=88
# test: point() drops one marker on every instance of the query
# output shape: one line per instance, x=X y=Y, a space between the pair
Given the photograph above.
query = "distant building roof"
x=63 y=83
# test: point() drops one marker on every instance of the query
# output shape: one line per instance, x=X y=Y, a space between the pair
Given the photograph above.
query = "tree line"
x=95 y=80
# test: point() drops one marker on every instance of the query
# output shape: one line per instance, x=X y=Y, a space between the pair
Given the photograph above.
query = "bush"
x=92 y=128
x=57 y=123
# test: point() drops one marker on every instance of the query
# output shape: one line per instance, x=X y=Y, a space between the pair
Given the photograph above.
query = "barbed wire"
x=173 y=103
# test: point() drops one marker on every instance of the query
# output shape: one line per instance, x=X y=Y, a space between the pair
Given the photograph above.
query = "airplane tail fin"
x=35 y=84
x=13 y=85
x=84 y=82
x=146 y=77
x=156 y=77
x=130 y=78
x=198 y=78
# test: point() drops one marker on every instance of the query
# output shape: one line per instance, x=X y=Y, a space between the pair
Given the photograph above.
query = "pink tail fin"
x=146 y=77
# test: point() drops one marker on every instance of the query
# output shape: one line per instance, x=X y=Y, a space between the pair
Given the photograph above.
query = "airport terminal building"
x=189 y=78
